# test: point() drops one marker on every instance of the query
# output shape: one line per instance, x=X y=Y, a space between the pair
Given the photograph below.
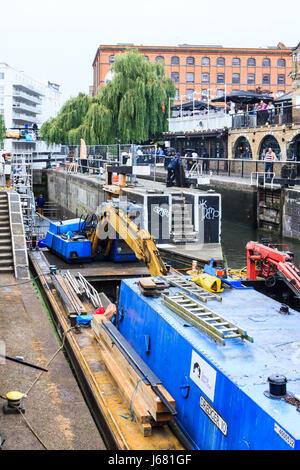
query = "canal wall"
x=241 y=202
x=70 y=191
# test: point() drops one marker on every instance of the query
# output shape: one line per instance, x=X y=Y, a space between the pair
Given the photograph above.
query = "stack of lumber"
x=152 y=287
x=145 y=406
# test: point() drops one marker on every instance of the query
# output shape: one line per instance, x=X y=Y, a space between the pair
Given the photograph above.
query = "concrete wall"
x=73 y=194
x=291 y=214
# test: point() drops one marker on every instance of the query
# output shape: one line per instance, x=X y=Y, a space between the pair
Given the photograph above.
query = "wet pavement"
x=55 y=407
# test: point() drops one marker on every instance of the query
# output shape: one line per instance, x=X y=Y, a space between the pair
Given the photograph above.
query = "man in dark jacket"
x=174 y=170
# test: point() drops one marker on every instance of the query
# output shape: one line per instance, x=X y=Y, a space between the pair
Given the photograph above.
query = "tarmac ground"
x=54 y=407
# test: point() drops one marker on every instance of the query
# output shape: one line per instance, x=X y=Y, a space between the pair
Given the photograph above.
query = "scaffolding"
x=21 y=181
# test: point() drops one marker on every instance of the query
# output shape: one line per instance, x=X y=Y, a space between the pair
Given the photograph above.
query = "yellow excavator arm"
x=140 y=241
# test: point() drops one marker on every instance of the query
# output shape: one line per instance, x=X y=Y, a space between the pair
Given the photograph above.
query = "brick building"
x=209 y=70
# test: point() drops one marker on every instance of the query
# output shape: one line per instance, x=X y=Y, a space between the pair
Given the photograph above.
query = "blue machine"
x=221 y=392
x=65 y=239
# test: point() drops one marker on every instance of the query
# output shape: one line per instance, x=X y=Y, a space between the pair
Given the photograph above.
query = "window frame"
x=281 y=66
x=269 y=78
x=278 y=80
x=251 y=59
x=192 y=62
x=177 y=61
x=223 y=62
x=159 y=58
x=202 y=61
x=268 y=60
x=217 y=77
x=186 y=77
x=238 y=64
x=254 y=79
x=239 y=78
x=177 y=74
x=208 y=75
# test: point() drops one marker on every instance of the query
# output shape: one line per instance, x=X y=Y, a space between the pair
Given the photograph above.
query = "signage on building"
x=13 y=133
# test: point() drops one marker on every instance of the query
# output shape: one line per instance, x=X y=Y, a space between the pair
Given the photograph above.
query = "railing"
x=278 y=116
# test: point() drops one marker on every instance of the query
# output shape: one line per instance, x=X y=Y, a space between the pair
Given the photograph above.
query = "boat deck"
x=275 y=347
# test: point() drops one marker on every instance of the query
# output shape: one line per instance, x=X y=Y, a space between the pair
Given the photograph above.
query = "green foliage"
x=2 y=129
x=129 y=106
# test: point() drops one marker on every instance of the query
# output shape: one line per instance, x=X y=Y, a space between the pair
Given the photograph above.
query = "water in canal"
x=236 y=235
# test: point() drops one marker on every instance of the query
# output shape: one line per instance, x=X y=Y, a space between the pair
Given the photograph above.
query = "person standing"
x=40 y=204
x=270 y=158
x=174 y=170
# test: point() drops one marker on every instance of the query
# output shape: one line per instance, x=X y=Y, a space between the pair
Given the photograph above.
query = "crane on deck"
x=83 y=240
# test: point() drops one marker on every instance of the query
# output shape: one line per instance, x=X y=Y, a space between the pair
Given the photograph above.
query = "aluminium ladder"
x=192 y=288
x=203 y=318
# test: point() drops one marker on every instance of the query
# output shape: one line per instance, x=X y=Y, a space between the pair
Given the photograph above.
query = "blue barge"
x=221 y=392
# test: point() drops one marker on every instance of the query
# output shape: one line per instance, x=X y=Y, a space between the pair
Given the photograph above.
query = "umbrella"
x=244 y=97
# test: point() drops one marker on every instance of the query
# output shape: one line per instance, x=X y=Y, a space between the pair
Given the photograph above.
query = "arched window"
x=205 y=61
x=242 y=148
x=266 y=63
x=251 y=62
x=111 y=59
x=159 y=58
x=220 y=61
x=281 y=63
x=147 y=58
x=236 y=62
x=190 y=61
x=175 y=60
x=269 y=142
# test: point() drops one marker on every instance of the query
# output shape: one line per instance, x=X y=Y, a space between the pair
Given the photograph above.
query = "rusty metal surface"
x=55 y=406
x=99 y=269
x=101 y=392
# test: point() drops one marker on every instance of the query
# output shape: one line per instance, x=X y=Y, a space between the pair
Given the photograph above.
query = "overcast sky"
x=57 y=40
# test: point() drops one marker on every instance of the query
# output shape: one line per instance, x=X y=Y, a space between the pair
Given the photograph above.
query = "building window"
x=159 y=58
x=190 y=61
x=177 y=94
x=175 y=60
x=219 y=93
x=236 y=62
x=266 y=79
x=175 y=76
x=111 y=59
x=251 y=79
x=235 y=78
x=1 y=90
x=251 y=62
x=204 y=94
x=190 y=77
x=266 y=63
x=189 y=94
x=220 y=61
x=281 y=79
x=281 y=63
x=220 y=78
x=205 y=77
x=2 y=75
x=205 y=61
x=147 y=58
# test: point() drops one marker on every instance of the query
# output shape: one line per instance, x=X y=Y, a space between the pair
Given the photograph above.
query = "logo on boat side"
x=203 y=375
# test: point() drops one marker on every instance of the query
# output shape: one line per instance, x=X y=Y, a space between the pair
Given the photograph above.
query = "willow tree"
x=60 y=129
x=133 y=107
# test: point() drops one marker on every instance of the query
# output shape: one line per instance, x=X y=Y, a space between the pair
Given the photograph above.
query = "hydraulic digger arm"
x=140 y=241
